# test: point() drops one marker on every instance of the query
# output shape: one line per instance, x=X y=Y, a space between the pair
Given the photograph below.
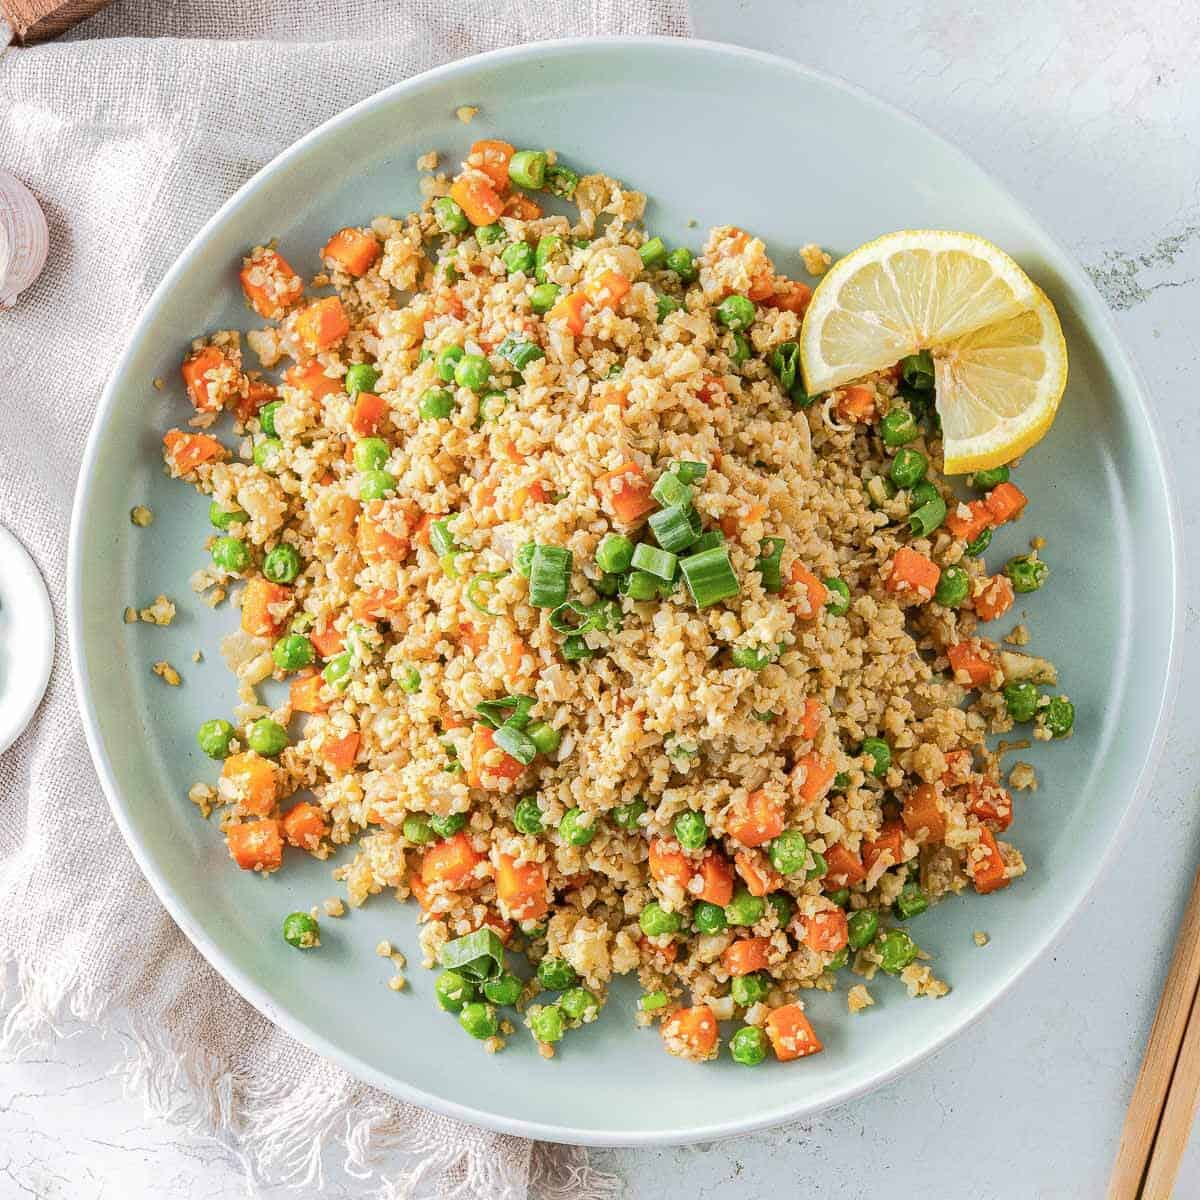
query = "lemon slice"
x=1000 y=362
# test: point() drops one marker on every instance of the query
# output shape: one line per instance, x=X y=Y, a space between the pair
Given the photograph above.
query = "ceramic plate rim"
x=257 y=995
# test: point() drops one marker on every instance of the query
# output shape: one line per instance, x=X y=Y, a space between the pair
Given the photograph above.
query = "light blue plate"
x=714 y=135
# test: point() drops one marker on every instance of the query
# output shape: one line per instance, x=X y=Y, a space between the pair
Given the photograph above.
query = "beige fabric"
x=130 y=145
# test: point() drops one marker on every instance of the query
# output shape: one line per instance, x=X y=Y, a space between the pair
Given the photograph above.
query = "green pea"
x=556 y=974
x=301 y=930
x=988 y=479
x=473 y=371
x=374 y=485
x=222 y=519
x=820 y=867
x=1059 y=716
x=838 y=601
x=753 y=658
x=921 y=494
x=409 y=679
x=1027 y=573
x=231 y=555
x=745 y=909
x=519 y=258
x=544 y=736
x=338 y=668
x=652 y=1001
x=666 y=305
x=653 y=253
x=504 y=989
x=741 y=350
x=282 y=564
x=627 y=816
x=691 y=829
x=980 y=544
x=370 y=454
x=952 y=587
x=448 y=825
x=748 y=1046
x=449 y=215
x=789 y=852
x=839 y=960
x=911 y=902
x=708 y=918
x=880 y=754
x=489 y=235
x=681 y=262
x=577 y=1003
x=898 y=427
x=841 y=781
x=862 y=928
x=452 y=990
x=214 y=738
x=749 y=989
x=656 y=921
x=436 y=404
x=736 y=312
x=527 y=816
x=266 y=417
x=577 y=828
x=908 y=468
x=1021 y=700
x=546 y=1023
x=360 y=377
x=479 y=1020
x=266 y=454
x=783 y=906
x=896 y=951
x=840 y=896
x=447 y=360
x=267 y=737
x=544 y=297
x=418 y=829
x=292 y=652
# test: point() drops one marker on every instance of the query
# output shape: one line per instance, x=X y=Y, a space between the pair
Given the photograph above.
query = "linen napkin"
x=131 y=132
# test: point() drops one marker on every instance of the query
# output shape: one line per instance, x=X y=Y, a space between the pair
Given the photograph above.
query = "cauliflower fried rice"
x=603 y=641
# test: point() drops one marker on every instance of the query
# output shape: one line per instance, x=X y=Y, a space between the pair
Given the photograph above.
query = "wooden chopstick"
x=1167 y=1046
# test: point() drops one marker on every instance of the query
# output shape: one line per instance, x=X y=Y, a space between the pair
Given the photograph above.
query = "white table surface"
x=1089 y=110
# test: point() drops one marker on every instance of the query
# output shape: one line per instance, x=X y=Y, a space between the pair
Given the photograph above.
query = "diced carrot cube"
x=488 y=762
x=311 y=378
x=995 y=598
x=790 y=295
x=668 y=951
x=1005 y=502
x=826 y=931
x=890 y=841
x=985 y=863
x=184 y=452
x=492 y=157
x=759 y=876
x=857 y=405
x=968 y=521
x=811 y=592
x=923 y=815
x=326 y=640
x=257 y=393
x=716 y=876
x=304 y=826
x=845 y=867
x=256 y=845
x=812 y=720
x=304 y=694
x=668 y=863
x=340 y=752
x=367 y=414
x=972 y=660
x=205 y=393
x=958 y=767
x=253 y=781
x=691 y=1032
x=321 y=325
x=990 y=802
x=270 y=283
x=373 y=605
x=498 y=925
x=521 y=890
x=451 y=861
x=473 y=639
x=790 y=1033
x=627 y=491
x=476 y=196
x=746 y=955
x=376 y=543
x=352 y=250
x=522 y=208
x=912 y=572
x=514 y=657
x=812 y=777
x=259 y=597
x=757 y=821
x=607 y=290
x=572 y=310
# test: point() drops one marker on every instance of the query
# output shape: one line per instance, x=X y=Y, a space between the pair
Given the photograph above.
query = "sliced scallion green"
x=769 y=564
x=660 y=563
x=675 y=528
x=516 y=743
x=709 y=576
x=475 y=587
x=549 y=576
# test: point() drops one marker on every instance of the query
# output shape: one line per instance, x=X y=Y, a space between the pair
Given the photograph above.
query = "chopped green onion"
x=544 y=736
x=639 y=585
x=706 y=541
x=661 y=563
x=928 y=517
x=753 y=658
x=519 y=351
x=653 y=253
x=666 y=306
x=516 y=743
x=473 y=589
x=669 y=490
x=507 y=710
x=561 y=181
x=770 y=564
x=549 y=576
x=690 y=472
x=523 y=559
x=561 y=618
x=441 y=540
x=917 y=370
x=477 y=955
x=709 y=576
x=575 y=648
x=676 y=527
x=527 y=168
x=784 y=360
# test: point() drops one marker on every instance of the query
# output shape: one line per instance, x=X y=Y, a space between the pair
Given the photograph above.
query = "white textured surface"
x=1091 y=114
